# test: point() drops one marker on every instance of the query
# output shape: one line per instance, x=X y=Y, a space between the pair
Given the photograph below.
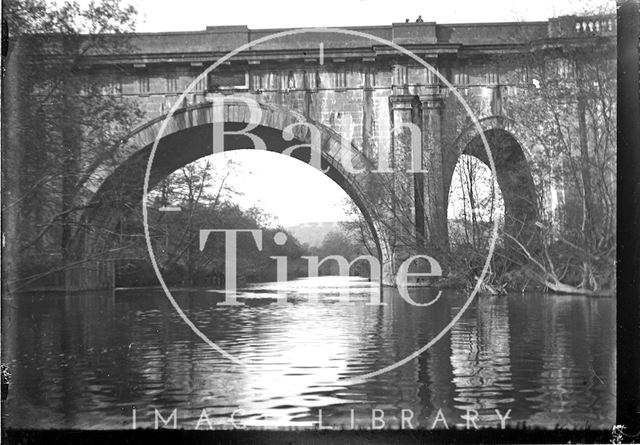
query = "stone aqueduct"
x=356 y=91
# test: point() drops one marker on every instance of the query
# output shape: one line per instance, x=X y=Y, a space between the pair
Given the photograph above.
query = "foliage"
x=477 y=203
x=200 y=190
x=570 y=111
x=342 y=244
x=64 y=122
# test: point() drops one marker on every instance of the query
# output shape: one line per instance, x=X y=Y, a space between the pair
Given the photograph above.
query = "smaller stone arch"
x=513 y=169
x=519 y=132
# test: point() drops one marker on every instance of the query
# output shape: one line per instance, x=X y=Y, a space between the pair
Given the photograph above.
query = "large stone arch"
x=513 y=169
x=118 y=181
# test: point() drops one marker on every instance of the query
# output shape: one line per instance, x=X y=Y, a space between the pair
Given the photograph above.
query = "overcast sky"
x=291 y=191
x=172 y=15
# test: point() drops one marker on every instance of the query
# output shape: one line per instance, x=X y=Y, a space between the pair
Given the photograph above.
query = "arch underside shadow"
x=122 y=190
x=513 y=174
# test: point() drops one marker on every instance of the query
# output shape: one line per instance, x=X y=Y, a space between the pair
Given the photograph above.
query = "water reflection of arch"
x=481 y=360
x=46 y=334
x=435 y=370
x=411 y=327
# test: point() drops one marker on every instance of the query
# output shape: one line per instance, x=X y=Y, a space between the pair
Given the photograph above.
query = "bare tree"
x=63 y=124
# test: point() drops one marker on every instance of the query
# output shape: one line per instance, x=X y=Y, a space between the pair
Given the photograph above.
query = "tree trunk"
x=71 y=154
x=587 y=199
x=12 y=161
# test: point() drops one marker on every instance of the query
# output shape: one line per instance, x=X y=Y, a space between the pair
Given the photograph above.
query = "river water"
x=87 y=360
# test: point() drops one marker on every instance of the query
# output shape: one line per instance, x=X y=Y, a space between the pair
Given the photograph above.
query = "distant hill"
x=313 y=233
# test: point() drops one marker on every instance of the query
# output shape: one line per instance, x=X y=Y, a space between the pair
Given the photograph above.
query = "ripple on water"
x=78 y=365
